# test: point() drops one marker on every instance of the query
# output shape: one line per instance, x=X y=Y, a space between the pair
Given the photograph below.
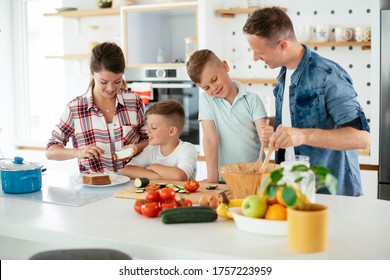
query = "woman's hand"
x=89 y=152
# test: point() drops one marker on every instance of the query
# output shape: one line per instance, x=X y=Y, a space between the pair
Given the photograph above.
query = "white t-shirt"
x=286 y=115
x=183 y=157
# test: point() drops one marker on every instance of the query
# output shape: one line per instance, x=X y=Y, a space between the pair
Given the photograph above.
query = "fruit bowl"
x=258 y=226
x=242 y=183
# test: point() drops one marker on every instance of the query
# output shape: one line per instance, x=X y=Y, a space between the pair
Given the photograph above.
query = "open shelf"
x=231 y=13
x=85 y=13
x=256 y=81
x=69 y=56
x=364 y=45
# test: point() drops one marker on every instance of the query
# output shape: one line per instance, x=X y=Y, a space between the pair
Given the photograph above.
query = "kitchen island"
x=359 y=229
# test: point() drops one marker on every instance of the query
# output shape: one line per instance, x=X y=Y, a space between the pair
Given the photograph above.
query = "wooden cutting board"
x=194 y=197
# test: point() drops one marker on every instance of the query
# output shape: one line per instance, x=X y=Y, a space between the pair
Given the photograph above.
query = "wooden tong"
x=259 y=163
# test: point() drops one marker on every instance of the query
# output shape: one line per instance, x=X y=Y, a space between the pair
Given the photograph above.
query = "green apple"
x=254 y=206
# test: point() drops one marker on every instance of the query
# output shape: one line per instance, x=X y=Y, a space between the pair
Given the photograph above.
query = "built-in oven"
x=170 y=83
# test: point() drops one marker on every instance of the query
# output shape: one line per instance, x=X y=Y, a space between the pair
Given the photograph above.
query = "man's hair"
x=270 y=23
x=171 y=109
x=197 y=62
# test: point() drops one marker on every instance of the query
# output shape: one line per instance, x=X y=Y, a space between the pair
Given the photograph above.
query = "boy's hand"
x=266 y=132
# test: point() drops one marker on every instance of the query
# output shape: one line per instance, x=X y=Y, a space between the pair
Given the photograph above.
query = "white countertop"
x=359 y=229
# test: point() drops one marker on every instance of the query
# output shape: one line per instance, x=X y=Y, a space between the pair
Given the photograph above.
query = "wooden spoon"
x=265 y=163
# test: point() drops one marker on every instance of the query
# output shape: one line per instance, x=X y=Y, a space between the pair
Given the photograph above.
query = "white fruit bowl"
x=259 y=226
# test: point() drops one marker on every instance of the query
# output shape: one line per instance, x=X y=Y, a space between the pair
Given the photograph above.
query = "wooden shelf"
x=364 y=45
x=85 y=13
x=69 y=56
x=231 y=13
x=256 y=81
x=156 y=65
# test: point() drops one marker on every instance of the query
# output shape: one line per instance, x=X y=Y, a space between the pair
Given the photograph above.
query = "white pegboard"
x=336 y=13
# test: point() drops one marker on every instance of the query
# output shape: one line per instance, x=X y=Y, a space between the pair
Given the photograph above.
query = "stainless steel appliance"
x=384 y=129
x=171 y=83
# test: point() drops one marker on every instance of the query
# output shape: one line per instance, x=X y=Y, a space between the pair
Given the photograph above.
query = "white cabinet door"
x=369 y=183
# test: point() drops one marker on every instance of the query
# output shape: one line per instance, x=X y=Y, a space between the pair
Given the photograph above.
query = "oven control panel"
x=160 y=73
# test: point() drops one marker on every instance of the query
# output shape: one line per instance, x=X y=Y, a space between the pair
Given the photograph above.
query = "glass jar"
x=190 y=46
x=307 y=179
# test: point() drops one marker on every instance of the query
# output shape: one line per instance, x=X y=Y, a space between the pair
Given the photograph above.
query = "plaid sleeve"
x=62 y=131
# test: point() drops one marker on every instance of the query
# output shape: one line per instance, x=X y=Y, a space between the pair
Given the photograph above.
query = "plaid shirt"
x=85 y=124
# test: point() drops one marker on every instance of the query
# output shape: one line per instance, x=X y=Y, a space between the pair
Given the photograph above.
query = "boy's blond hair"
x=172 y=110
x=197 y=62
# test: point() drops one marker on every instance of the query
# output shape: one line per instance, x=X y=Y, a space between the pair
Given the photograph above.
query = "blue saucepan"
x=18 y=176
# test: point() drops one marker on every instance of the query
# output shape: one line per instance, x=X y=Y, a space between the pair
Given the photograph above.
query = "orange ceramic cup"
x=308 y=229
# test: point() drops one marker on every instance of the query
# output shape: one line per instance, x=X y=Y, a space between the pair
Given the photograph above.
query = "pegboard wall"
x=354 y=60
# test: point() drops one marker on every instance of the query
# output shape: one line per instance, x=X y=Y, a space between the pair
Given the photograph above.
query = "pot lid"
x=17 y=164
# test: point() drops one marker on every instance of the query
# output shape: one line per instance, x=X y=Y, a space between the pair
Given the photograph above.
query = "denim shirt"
x=322 y=96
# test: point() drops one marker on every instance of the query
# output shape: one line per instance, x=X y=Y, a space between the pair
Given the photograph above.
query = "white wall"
x=7 y=111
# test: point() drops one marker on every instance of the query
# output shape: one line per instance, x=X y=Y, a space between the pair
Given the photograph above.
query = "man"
x=317 y=112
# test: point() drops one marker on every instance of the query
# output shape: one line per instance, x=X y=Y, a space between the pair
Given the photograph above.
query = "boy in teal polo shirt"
x=231 y=117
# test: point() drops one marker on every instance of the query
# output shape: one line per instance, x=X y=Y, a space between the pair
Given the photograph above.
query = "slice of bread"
x=96 y=179
x=124 y=154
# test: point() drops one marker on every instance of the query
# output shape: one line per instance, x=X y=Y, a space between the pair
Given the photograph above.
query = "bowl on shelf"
x=104 y=3
x=242 y=182
x=258 y=226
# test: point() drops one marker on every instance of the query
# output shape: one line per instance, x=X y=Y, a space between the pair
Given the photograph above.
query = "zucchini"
x=141 y=182
x=189 y=214
x=139 y=190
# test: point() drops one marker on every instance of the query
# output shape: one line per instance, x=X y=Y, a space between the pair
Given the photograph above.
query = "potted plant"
x=307 y=221
x=295 y=180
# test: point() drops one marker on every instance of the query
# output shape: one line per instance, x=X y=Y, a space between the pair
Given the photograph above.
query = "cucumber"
x=141 y=182
x=212 y=187
x=198 y=216
x=182 y=191
x=189 y=214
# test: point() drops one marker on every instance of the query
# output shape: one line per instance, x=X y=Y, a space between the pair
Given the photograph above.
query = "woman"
x=105 y=119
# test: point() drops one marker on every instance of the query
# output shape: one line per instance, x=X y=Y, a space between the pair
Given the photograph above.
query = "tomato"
x=150 y=209
x=138 y=205
x=153 y=196
x=167 y=194
x=152 y=188
x=191 y=185
x=168 y=204
x=184 y=202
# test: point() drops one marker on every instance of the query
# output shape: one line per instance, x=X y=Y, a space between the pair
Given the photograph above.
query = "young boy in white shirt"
x=166 y=156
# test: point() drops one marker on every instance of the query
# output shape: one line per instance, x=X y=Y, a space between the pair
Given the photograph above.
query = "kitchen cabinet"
x=156 y=30
x=78 y=14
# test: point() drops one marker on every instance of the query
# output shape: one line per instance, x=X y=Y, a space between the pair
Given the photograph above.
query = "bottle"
x=190 y=46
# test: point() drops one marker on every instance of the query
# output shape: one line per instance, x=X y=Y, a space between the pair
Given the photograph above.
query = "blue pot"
x=20 y=177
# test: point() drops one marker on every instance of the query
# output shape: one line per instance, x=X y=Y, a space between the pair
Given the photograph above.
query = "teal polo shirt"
x=237 y=134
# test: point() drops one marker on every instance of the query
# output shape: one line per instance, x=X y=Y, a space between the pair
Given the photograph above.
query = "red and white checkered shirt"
x=84 y=123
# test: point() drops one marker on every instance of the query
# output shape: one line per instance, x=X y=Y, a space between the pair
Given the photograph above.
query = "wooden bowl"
x=242 y=183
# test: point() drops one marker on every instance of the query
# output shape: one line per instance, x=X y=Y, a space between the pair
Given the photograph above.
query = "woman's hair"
x=106 y=56
x=171 y=109
x=270 y=23
x=197 y=62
